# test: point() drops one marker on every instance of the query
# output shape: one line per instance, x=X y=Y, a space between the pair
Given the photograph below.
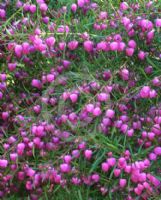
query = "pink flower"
x=122 y=163
x=158 y=23
x=150 y=35
x=97 y=111
x=74 y=7
x=50 y=78
x=63 y=29
x=36 y=83
x=102 y=46
x=29 y=185
x=62 y=45
x=111 y=162
x=12 y=66
x=43 y=7
x=73 y=45
x=110 y=113
x=2 y=13
x=21 y=175
x=105 y=167
x=50 y=41
x=132 y=44
x=124 y=6
x=137 y=191
x=152 y=156
x=114 y=46
x=26 y=7
x=88 y=154
x=3 y=163
x=157 y=151
x=20 y=148
x=80 y=3
x=25 y=48
x=121 y=46
x=152 y=94
x=145 y=92
x=74 y=98
x=124 y=73
x=67 y=159
x=125 y=21
x=3 y=77
x=32 y=8
x=5 y=115
x=129 y=52
x=90 y=108
x=124 y=128
x=1 y=95
x=13 y=156
x=102 y=97
x=103 y=15
x=18 y=50
x=37 y=109
x=146 y=24
x=130 y=132
x=141 y=55
x=75 y=153
x=88 y=46
x=117 y=172
x=122 y=182
x=30 y=172
x=95 y=178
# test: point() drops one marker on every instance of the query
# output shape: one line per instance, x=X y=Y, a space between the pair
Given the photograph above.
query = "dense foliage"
x=80 y=100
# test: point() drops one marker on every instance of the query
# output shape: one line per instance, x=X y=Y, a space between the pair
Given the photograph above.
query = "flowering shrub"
x=80 y=109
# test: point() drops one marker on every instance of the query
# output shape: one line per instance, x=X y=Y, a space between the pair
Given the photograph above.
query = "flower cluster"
x=80 y=102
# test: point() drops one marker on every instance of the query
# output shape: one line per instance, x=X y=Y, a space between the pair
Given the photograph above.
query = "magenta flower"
x=124 y=6
x=3 y=163
x=105 y=167
x=36 y=83
x=50 y=78
x=121 y=46
x=102 y=97
x=141 y=55
x=132 y=44
x=74 y=7
x=88 y=154
x=32 y=8
x=65 y=168
x=88 y=46
x=114 y=46
x=73 y=45
x=5 y=115
x=111 y=162
x=63 y=29
x=81 y=3
x=129 y=52
x=2 y=13
x=12 y=66
x=157 y=151
x=97 y=111
x=50 y=41
x=18 y=50
x=62 y=45
x=74 y=98
x=158 y=23
x=117 y=172
x=124 y=73
x=110 y=113
x=43 y=7
x=145 y=92
x=122 y=182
